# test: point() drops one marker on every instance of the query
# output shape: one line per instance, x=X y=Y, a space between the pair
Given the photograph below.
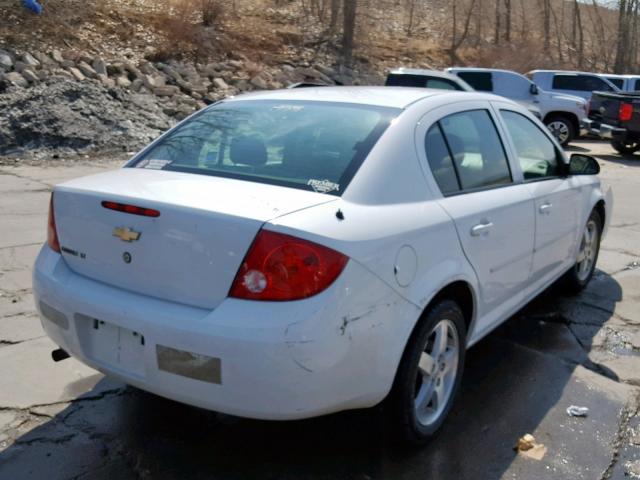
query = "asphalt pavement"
x=66 y=421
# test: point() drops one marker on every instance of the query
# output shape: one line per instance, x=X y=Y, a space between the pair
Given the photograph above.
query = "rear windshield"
x=315 y=146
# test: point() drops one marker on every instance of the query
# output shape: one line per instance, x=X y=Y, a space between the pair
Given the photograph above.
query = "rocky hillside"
x=74 y=101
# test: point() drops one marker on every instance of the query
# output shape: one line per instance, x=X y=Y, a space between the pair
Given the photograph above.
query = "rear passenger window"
x=583 y=83
x=537 y=155
x=481 y=81
x=636 y=86
x=478 y=155
x=440 y=161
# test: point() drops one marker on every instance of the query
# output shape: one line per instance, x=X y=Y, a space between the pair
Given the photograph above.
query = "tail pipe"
x=59 y=355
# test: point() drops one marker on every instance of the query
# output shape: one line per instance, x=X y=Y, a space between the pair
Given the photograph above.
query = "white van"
x=562 y=114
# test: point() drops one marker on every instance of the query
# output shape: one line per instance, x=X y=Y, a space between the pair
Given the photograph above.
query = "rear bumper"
x=270 y=360
x=607 y=132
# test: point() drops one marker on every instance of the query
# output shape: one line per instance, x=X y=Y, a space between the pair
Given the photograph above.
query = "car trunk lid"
x=191 y=252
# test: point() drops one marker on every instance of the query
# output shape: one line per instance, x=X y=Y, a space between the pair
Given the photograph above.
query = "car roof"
x=396 y=97
x=567 y=72
x=424 y=71
x=480 y=69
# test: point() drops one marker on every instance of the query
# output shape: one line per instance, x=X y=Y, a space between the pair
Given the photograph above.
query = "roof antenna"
x=339 y=215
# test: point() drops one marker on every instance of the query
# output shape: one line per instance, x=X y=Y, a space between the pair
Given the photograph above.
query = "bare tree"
x=335 y=11
x=349 y=8
x=412 y=8
x=507 y=20
x=496 y=27
x=458 y=40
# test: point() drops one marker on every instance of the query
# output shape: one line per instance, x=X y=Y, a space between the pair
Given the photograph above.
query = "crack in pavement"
x=24 y=177
x=630 y=410
x=22 y=245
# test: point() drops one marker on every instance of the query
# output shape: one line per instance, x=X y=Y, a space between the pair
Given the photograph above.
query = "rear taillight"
x=52 y=234
x=281 y=267
x=625 y=112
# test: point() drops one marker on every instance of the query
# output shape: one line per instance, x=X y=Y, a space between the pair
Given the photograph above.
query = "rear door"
x=556 y=197
x=492 y=212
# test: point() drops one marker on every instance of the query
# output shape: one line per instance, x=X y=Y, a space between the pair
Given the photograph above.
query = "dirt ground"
x=66 y=421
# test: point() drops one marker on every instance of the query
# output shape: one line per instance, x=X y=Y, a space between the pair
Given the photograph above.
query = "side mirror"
x=580 y=164
x=533 y=89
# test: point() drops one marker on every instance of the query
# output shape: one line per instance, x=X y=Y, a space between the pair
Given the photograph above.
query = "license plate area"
x=114 y=346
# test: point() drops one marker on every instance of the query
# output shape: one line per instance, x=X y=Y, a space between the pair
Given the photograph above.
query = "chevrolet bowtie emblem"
x=126 y=234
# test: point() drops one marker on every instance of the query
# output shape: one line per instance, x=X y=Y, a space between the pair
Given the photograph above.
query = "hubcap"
x=560 y=130
x=437 y=370
x=588 y=251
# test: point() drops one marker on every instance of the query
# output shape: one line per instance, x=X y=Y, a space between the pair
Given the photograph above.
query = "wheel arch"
x=569 y=115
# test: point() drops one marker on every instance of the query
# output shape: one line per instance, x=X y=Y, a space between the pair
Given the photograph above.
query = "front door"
x=556 y=198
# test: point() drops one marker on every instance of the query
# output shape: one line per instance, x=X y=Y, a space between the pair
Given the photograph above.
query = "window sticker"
x=289 y=108
x=153 y=164
x=323 y=186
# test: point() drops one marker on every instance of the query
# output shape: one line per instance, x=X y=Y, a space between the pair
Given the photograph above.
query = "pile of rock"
x=180 y=87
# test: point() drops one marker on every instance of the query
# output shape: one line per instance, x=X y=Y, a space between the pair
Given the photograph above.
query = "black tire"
x=562 y=128
x=626 y=147
x=401 y=401
x=575 y=280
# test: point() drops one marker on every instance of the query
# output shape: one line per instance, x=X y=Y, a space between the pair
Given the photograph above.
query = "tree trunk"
x=349 y=28
x=507 y=20
x=335 y=11
x=496 y=31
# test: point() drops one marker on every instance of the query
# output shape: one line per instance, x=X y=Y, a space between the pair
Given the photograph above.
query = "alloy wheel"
x=588 y=251
x=437 y=370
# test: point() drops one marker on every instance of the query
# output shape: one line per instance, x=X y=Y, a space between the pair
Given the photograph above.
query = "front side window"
x=308 y=145
x=537 y=154
x=478 y=155
x=481 y=81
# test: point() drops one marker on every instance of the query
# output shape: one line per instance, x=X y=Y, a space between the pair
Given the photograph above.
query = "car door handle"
x=481 y=228
x=545 y=208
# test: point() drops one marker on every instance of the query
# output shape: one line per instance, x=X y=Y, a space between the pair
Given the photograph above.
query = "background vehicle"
x=413 y=77
x=579 y=84
x=626 y=83
x=417 y=77
x=561 y=114
x=616 y=117
x=326 y=247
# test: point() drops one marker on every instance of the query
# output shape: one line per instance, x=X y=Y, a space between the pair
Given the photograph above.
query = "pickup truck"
x=615 y=116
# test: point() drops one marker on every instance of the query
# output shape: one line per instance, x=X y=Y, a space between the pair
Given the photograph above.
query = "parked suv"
x=561 y=114
x=580 y=84
x=626 y=83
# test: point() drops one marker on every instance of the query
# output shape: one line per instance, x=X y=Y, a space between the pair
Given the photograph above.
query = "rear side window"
x=636 y=85
x=482 y=81
x=308 y=145
x=618 y=82
x=441 y=161
x=583 y=83
x=472 y=157
x=420 y=81
x=537 y=155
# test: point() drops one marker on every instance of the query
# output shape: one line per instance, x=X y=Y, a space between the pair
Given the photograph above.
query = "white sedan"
x=287 y=254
